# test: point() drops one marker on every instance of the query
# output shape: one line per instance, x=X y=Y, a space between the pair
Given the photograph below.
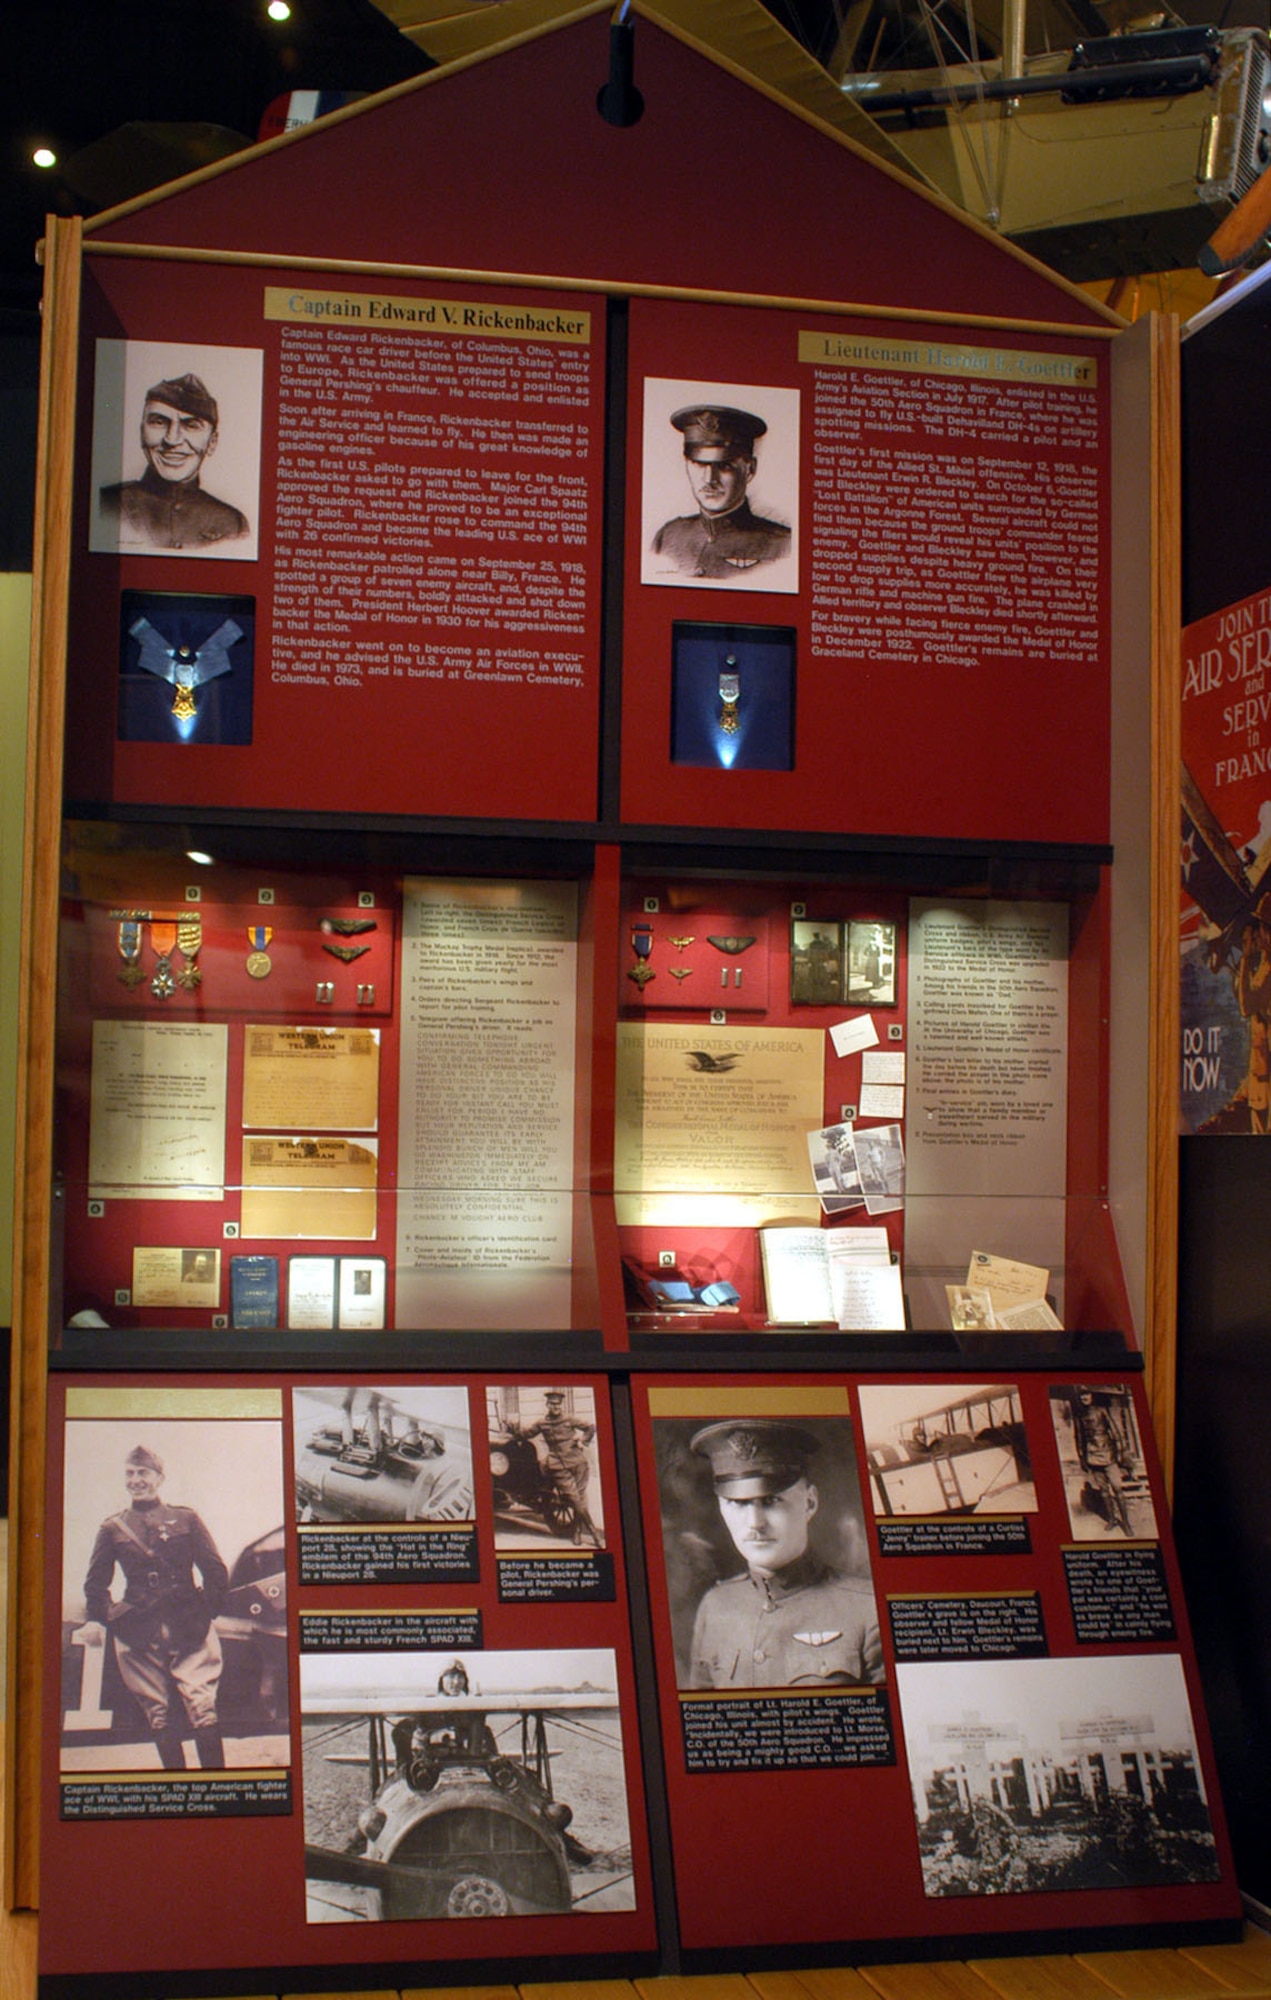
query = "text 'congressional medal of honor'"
x=163 y=936
x=729 y=695
x=259 y=963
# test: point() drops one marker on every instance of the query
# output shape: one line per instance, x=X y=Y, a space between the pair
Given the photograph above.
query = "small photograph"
x=871 y=965
x=880 y=1161
x=948 y=1448
x=185 y=667
x=544 y=1468
x=471 y=1785
x=1101 y=1456
x=176 y=449
x=832 y=1152
x=174 y=1636
x=720 y=485
x=767 y=1562
x=970 y=1309
x=732 y=696
x=374 y=1457
x=1047 y=1775
x=816 y=963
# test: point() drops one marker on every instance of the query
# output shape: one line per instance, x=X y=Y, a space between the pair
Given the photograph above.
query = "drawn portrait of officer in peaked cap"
x=720 y=485
x=182 y=425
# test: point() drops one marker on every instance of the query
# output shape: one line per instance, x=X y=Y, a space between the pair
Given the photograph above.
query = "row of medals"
x=184 y=935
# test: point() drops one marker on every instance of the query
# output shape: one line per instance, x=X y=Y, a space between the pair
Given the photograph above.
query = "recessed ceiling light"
x=44 y=156
x=197 y=855
x=278 y=10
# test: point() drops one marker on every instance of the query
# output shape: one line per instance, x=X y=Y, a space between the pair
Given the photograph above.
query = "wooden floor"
x=1198 y=1972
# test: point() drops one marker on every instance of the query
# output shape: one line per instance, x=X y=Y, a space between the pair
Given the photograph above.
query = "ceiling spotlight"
x=200 y=859
x=44 y=156
x=278 y=10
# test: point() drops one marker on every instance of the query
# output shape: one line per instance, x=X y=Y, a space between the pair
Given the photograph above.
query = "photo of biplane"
x=490 y=1785
x=934 y=1450
x=369 y=1456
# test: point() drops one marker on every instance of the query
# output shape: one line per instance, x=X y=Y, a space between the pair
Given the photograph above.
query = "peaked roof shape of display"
x=498 y=164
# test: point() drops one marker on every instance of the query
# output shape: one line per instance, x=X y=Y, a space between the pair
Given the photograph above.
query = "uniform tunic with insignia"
x=162 y=1629
x=169 y=515
x=724 y=545
x=802 y=1626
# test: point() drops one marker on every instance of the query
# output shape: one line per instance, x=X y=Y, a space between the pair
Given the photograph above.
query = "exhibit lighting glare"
x=278 y=10
x=200 y=859
x=44 y=156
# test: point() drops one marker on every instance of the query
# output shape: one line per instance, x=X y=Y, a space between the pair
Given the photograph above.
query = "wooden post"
x=32 y=1304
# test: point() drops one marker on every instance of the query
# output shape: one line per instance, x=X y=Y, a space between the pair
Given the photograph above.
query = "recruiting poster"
x=1225 y=1062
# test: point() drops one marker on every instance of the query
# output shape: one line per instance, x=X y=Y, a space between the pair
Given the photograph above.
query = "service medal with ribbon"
x=259 y=963
x=130 y=952
x=189 y=944
x=163 y=936
x=729 y=695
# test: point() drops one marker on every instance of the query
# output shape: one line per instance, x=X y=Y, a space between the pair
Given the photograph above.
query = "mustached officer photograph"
x=766 y=1556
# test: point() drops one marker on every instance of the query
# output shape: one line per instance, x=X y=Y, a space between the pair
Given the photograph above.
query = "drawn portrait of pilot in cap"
x=720 y=486
x=182 y=425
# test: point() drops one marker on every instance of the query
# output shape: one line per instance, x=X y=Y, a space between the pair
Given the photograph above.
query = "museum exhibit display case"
x=596 y=1219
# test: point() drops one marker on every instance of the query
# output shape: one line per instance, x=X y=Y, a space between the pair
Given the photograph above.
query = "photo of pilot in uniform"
x=767 y=1564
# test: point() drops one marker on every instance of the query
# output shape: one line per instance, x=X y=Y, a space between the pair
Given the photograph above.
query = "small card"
x=361 y=1294
x=164 y=1276
x=881 y=1100
x=849 y=1037
x=311 y=1294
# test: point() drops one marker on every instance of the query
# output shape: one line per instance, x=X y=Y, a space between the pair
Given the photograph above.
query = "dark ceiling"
x=76 y=70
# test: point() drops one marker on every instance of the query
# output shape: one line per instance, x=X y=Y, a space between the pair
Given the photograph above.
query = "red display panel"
x=942 y=1617
x=417 y=474
x=926 y=519
x=352 y=1691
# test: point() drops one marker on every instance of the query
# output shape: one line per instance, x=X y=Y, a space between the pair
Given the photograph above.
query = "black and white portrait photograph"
x=816 y=963
x=544 y=1467
x=378 y=1457
x=1101 y=1456
x=880 y=1161
x=173 y=1594
x=186 y=667
x=471 y=1784
x=720 y=485
x=767 y=1563
x=176 y=449
x=835 y=1174
x=1048 y=1775
x=947 y=1448
x=871 y=964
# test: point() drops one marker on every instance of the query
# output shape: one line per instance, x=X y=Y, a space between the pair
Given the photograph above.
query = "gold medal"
x=259 y=963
